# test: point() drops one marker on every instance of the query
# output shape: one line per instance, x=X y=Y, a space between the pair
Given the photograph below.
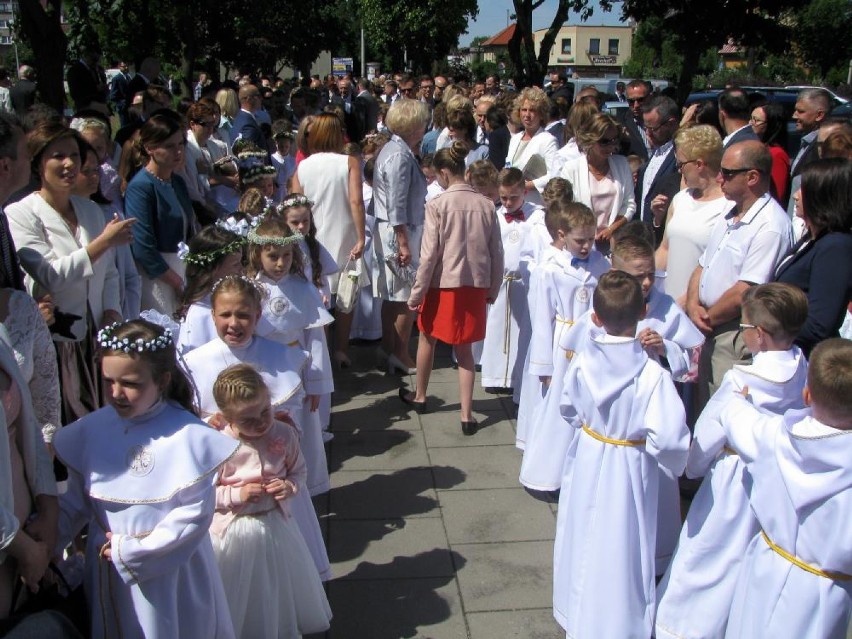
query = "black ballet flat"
x=469 y=428
x=419 y=407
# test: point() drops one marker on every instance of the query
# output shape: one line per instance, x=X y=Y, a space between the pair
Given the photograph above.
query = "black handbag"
x=57 y=596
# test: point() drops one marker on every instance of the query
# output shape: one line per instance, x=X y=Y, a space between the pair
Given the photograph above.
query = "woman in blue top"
x=821 y=262
x=159 y=201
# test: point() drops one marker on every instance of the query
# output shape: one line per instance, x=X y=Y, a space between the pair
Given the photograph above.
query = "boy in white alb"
x=695 y=594
x=508 y=325
x=665 y=329
x=630 y=421
x=796 y=574
x=561 y=289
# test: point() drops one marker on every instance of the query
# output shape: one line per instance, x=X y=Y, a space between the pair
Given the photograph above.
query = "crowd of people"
x=178 y=295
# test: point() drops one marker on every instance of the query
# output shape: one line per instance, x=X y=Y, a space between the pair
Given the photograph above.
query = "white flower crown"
x=108 y=341
x=265 y=240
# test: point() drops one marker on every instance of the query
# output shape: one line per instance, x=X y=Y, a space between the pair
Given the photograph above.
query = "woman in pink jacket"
x=460 y=272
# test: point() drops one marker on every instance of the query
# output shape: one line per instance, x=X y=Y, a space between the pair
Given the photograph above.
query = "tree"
x=421 y=30
x=822 y=34
x=698 y=25
x=41 y=26
x=529 y=68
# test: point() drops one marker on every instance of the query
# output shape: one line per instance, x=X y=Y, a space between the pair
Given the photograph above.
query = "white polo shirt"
x=747 y=251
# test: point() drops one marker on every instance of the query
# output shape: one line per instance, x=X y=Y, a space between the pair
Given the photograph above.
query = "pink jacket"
x=461 y=244
x=274 y=454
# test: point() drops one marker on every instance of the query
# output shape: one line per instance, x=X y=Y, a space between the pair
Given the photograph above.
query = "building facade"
x=589 y=50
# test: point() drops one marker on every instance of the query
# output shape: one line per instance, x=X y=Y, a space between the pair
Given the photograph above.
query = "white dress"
x=149 y=481
x=281 y=368
x=197 y=327
x=689 y=232
x=325 y=181
x=801 y=492
x=507 y=329
x=559 y=293
x=696 y=593
x=272 y=584
x=293 y=314
x=605 y=532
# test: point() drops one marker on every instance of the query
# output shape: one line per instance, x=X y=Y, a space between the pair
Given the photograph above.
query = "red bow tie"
x=517 y=216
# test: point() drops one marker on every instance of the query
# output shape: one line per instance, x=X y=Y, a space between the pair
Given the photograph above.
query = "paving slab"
x=506 y=576
x=504 y=514
x=387 y=494
x=376 y=413
x=389 y=548
x=396 y=608
x=443 y=430
x=484 y=466
x=391 y=449
x=511 y=624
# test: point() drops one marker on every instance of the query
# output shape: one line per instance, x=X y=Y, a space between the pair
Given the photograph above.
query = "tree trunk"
x=691 y=58
x=42 y=28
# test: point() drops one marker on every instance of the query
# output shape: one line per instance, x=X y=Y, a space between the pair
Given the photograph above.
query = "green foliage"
x=822 y=34
x=422 y=30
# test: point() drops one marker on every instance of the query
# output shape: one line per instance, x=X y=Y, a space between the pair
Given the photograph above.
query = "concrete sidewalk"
x=429 y=532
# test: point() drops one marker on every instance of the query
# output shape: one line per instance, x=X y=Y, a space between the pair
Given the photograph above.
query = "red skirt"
x=454 y=315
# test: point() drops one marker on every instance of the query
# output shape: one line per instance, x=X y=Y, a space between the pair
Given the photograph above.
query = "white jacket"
x=577 y=173
x=543 y=144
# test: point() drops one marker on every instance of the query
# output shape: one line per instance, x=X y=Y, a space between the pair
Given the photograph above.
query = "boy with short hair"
x=508 y=327
x=630 y=422
x=697 y=591
x=561 y=289
x=796 y=573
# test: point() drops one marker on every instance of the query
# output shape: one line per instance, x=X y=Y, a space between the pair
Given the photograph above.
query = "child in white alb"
x=561 y=289
x=796 y=573
x=630 y=422
x=698 y=588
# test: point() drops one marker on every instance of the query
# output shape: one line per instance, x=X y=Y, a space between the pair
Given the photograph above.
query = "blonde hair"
x=482 y=174
x=407 y=117
x=830 y=376
x=238 y=285
x=578 y=116
x=594 y=129
x=557 y=190
x=779 y=309
x=700 y=142
x=228 y=102
x=567 y=217
x=538 y=99
x=458 y=103
x=238 y=384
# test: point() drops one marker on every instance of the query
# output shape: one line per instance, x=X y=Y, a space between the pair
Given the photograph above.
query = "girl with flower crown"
x=237 y=303
x=211 y=255
x=293 y=313
x=141 y=476
x=272 y=585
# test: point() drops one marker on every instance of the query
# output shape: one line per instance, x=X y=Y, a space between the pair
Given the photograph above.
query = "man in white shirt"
x=744 y=248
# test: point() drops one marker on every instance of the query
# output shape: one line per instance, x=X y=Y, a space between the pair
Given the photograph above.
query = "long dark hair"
x=776 y=125
x=199 y=277
x=827 y=195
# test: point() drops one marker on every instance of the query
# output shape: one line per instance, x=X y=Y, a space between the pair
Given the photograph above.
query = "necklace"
x=167 y=182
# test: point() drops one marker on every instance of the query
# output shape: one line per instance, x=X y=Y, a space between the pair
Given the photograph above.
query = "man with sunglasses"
x=635 y=142
x=745 y=247
x=658 y=180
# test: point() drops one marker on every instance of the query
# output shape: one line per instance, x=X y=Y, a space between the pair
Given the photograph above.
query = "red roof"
x=730 y=47
x=501 y=39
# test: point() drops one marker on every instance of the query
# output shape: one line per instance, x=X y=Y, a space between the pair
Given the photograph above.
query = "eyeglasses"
x=680 y=164
x=727 y=174
x=408 y=90
x=654 y=129
x=607 y=141
x=423 y=87
x=637 y=100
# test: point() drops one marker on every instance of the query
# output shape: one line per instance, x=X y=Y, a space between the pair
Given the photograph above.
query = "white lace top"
x=36 y=357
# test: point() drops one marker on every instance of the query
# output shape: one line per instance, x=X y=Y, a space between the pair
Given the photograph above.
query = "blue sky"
x=492 y=17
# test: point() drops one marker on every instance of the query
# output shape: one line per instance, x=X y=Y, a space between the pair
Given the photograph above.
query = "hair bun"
x=458 y=152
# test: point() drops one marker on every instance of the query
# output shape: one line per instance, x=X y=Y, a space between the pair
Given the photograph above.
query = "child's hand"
x=313 y=402
x=744 y=393
x=106 y=551
x=251 y=493
x=652 y=341
x=280 y=488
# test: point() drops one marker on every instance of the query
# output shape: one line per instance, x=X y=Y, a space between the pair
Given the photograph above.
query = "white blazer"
x=577 y=173
x=57 y=263
x=543 y=144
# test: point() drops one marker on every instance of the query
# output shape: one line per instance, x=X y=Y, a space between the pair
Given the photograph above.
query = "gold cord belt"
x=613 y=442
x=562 y=320
x=834 y=576
x=730 y=451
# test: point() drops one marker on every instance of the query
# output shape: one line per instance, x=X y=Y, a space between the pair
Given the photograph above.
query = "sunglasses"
x=727 y=174
x=607 y=141
x=654 y=129
x=635 y=100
